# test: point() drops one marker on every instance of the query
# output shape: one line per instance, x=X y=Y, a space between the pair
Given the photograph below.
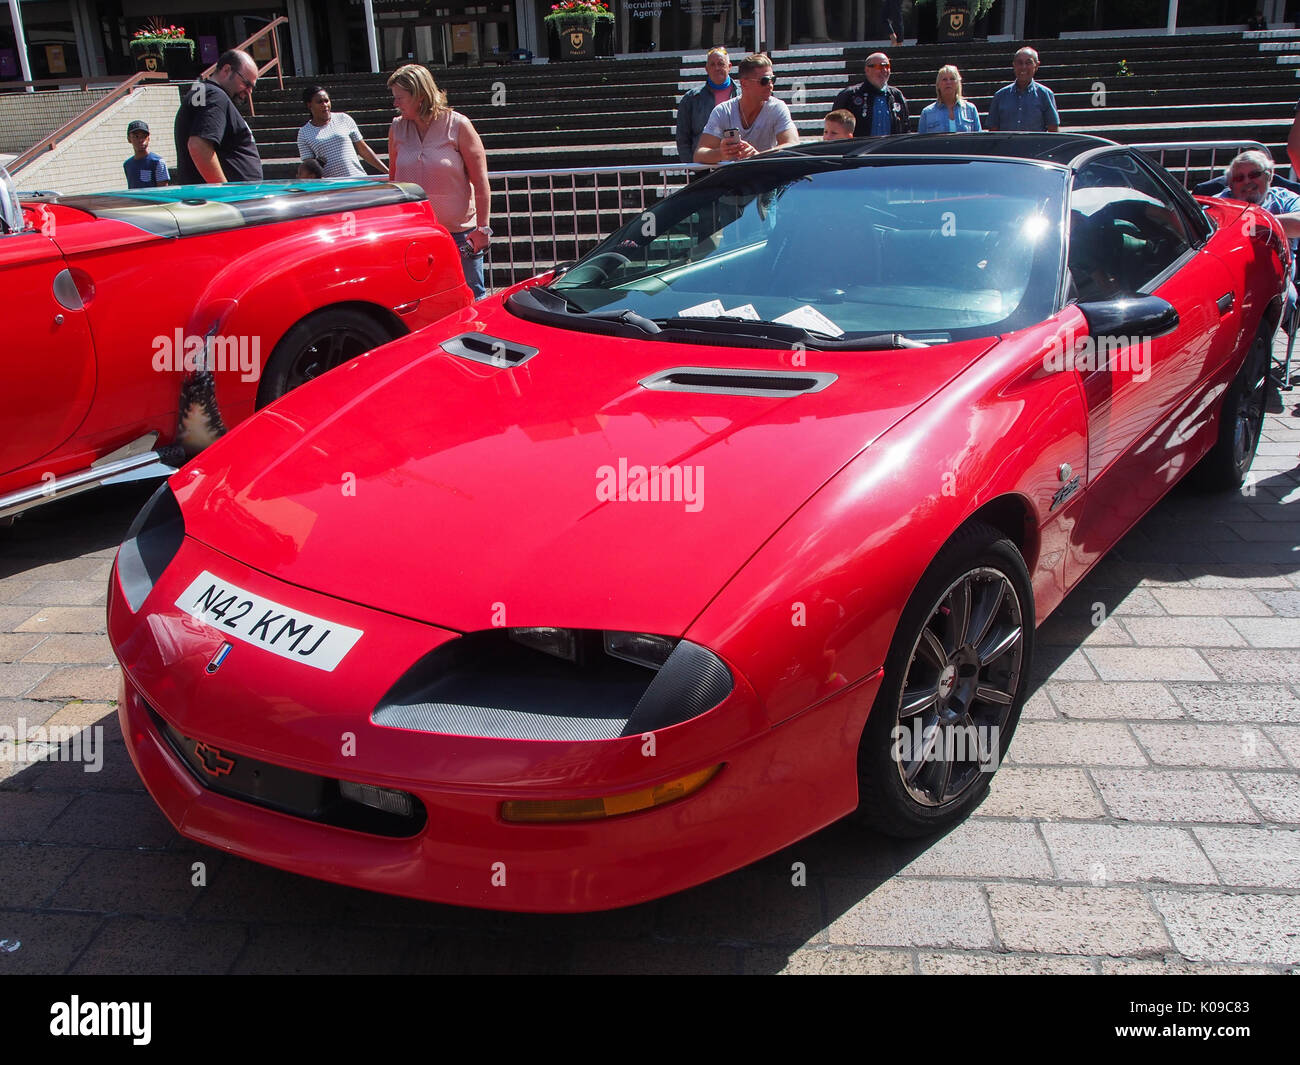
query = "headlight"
x=640 y=647
x=578 y=645
x=151 y=543
x=556 y=684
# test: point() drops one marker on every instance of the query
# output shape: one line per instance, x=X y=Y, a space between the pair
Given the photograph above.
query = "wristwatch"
x=485 y=230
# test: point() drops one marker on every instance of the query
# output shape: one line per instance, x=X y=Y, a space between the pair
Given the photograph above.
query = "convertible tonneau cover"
x=188 y=210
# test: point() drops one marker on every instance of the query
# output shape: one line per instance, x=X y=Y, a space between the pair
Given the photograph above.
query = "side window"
x=1198 y=225
x=1124 y=229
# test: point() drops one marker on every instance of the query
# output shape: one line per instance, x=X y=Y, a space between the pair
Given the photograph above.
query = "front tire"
x=954 y=684
x=318 y=343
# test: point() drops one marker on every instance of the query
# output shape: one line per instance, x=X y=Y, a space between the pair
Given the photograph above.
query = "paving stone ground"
x=1147 y=819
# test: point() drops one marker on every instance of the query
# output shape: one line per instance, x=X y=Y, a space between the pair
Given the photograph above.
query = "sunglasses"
x=766 y=79
x=1252 y=175
x=886 y=66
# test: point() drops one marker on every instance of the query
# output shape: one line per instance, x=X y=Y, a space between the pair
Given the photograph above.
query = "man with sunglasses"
x=879 y=108
x=213 y=142
x=1250 y=178
x=753 y=122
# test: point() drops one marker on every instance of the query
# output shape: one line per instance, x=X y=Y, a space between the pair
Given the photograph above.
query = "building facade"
x=77 y=38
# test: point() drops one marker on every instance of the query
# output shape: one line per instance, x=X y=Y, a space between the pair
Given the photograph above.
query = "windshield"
x=11 y=213
x=932 y=250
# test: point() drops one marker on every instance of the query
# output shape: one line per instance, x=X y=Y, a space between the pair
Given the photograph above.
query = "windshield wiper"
x=553 y=302
x=548 y=304
x=627 y=318
x=749 y=327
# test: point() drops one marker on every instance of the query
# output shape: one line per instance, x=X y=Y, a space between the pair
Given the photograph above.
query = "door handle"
x=1225 y=303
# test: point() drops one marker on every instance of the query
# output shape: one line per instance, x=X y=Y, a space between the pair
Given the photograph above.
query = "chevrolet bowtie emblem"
x=215 y=764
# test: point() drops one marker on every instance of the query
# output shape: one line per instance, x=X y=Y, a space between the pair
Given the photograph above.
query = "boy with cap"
x=145 y=169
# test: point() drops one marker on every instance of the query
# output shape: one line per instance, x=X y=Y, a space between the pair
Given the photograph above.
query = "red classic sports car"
x=639 y=572
x=142 y=324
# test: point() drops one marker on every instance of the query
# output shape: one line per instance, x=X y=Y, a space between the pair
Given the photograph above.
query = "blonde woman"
x=439 y=150
x=949 y=113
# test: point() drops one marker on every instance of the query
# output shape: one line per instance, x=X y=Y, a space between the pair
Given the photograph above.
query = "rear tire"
x=955 y=681
x=1241 y=421
x=318 y=343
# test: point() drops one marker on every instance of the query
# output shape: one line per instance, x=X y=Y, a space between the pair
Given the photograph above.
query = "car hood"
x=471 y=496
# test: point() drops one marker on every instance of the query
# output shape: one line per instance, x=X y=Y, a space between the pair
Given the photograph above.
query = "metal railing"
x=1221 y=154
x=96 y=109
x=545 y=217
x=270 y=28
x=90 y=81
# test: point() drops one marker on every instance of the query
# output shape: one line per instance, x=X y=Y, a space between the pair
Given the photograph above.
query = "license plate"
x=267 y=624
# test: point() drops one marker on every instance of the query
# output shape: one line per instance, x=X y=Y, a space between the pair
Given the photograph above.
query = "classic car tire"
x=318 y=343
x=961 y=675
x=1241 y=421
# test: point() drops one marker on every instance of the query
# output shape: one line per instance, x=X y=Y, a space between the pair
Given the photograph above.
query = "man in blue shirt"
x=145 y=169
x=1250 y=178
x=1024 y=104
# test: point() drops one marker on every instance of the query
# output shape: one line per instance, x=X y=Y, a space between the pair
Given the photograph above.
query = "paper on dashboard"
x=810 y=318
x=712 y=309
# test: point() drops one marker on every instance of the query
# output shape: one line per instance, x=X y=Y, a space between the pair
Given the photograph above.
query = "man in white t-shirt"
x=761 y=122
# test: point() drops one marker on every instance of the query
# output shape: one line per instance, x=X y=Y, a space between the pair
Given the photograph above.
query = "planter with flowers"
x=959 y=20
x=163 y=47
x=576 y=29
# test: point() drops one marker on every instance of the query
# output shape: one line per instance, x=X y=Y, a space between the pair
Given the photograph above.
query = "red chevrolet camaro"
x=141 y=325
x=645 y=569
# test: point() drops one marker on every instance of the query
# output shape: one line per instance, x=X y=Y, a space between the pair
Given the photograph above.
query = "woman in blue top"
x=949 y=113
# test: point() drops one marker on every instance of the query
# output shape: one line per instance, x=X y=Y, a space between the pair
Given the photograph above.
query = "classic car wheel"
x=318 y=343
x=1241 y=421
x=954 y=683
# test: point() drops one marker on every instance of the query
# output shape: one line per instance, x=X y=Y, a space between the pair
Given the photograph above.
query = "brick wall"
x=90 y=160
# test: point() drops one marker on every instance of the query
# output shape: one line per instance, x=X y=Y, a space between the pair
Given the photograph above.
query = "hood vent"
x=737 y=382
x=479 y=347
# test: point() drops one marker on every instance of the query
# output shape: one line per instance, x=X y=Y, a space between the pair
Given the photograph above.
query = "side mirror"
x=1130 y=316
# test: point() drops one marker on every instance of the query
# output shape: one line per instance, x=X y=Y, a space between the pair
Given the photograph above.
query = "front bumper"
x=777 y=785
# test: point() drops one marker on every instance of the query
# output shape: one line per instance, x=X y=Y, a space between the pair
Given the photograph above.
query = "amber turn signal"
x=630 y=802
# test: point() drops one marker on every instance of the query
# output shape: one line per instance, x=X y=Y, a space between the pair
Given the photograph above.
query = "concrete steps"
x=621 y=112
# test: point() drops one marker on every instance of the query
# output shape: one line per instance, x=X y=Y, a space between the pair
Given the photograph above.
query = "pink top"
x=436 y=165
